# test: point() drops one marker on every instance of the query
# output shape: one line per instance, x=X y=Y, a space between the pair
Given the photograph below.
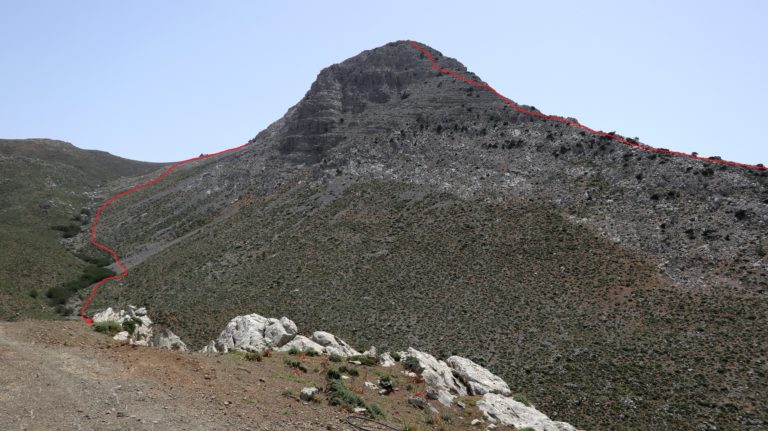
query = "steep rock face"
x=367 y=81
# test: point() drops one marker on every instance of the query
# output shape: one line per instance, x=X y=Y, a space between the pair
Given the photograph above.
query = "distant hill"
x=45 y=183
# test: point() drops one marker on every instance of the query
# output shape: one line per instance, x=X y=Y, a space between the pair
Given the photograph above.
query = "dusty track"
x=62 y=376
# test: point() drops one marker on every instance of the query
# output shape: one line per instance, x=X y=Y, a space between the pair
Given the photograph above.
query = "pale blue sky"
x=163 y=81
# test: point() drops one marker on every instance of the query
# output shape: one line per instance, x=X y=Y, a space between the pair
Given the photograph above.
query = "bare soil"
x=58 y=375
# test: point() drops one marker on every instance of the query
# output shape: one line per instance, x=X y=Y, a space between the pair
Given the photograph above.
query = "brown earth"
x=62 y=376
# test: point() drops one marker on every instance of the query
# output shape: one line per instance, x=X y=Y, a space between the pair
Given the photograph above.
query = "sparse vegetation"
x=109 y=327
x=521 y=398
x=296 y=365
x=253 y=356
x=411 y=364
x=364 y=360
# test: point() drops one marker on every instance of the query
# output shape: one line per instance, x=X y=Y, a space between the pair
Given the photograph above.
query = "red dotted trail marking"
x=573 y=123
x=112 y=252
x=96 y=244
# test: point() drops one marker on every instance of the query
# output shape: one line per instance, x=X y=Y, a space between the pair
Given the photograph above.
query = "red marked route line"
x=574 y=123
x=112 y=252
x=96 y=244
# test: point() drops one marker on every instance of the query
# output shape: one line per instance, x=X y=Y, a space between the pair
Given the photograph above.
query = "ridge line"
x=575 y=123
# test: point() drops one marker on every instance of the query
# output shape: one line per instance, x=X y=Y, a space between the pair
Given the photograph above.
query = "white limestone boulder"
x=478 y=380
x=386 y=360
x=142 y=334
x=302 y=344
x=254 y=333
x=438 y=375
x=333 y=345
x=278 y=332
x=166 y=339
x=108 y=315
x=506 y=411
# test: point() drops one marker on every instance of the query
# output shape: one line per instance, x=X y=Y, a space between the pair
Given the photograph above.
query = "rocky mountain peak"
x=378 y=89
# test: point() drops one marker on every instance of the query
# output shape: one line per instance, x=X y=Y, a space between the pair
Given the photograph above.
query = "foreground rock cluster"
x=455 y=377
x=143 y=333
x=446 y=380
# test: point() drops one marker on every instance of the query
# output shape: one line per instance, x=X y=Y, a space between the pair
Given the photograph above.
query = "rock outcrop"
x=437 y=374
x=166 y=339
x=302 y=344
x=507 y=411
x=455 y=377
x=253 y=333
x=333 y=345
x=141 y=334
x=256 y=333
x=479 y=381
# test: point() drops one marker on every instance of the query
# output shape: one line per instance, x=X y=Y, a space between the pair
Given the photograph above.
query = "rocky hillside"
x=398 y=206
x=452 y=394
x=47 y=184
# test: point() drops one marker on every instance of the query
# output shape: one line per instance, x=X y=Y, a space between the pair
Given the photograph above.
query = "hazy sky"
x=167 y=80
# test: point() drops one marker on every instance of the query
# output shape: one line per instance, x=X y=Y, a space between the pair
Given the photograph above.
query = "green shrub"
x=33 y=293
x=395 y=356
x=352 y=371
x=109 y=327
x=335 y=357
x=294 y=351
x=333 y=374
x=412 y=364
x=95 y=260
x=130 y=326
x=341 y=395
x=296 y=364
x=375 y=411
x=521 y=398
x=364 y=360
x=312 y=353
x=67 y=230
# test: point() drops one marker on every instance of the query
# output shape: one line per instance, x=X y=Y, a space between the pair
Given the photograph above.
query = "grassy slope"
x=43 y=183
x=576 y=322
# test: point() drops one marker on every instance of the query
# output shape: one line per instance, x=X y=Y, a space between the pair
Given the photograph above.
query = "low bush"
x=130 y=326
x=412 y=364
x=364 y=360
x=109 y=327
x=253 y=356
x=59 y=295
x=352 y=371
x=296 y=364
x=341 y=395
x=67 y=230
x=335 y=357
x=521 y=398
